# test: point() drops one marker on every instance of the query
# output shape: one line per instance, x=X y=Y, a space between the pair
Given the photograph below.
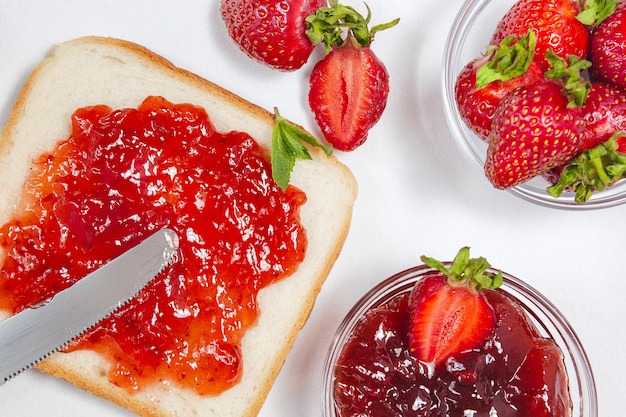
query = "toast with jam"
x=108 y=141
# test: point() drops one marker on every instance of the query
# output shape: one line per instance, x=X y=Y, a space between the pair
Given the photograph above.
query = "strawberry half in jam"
x=512 y=371
x=449 y=314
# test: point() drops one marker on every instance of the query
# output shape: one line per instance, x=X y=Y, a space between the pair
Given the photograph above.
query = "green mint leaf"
x=287 y=146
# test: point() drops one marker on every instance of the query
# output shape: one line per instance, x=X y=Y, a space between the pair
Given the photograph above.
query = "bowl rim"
x=582 y=384
x=457 y=36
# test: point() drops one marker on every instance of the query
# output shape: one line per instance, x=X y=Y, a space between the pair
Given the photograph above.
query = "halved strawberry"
x=449 y=315
x=349 y=86
x=348 y=94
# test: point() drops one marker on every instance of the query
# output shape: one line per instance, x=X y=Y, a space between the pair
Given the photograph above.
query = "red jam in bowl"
x=120 y=176
x=518 y=372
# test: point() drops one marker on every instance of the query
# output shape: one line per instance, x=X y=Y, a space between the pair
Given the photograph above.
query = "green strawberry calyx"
x=508 y=60
x=466 y=271
x=328 y=25
x=596 y=11
x=287 y=146
x=595 y=169
x=569 y=73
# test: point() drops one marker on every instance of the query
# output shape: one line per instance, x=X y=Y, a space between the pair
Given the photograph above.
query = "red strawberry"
x=271 y=31
x=555 y=24
x=349 y=87
x=604 y=113
x=449 y=314
x=348 y=94
x=484 y=81
x=537 y=127
x=607 y=48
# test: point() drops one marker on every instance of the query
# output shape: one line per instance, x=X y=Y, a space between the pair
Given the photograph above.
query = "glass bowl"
x=548 y=320
x=469 y=36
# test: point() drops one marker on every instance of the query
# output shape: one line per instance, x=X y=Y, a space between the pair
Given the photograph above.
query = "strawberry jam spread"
x=516 y=373
x=120 y=176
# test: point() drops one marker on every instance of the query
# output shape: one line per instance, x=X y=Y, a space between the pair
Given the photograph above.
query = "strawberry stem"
x=596 y=11
x=595 y=169
x=568 y=73
x=508 y=60
x=467 y=271
x=328 y=24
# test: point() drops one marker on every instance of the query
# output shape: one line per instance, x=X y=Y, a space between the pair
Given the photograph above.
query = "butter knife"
x=31 y=335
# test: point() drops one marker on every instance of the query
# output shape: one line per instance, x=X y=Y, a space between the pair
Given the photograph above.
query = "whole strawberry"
x=349 y=86
x=607 y=48
x=484 y=81
x=449 y=314
x=271 y=31
x=537 y=127
x=604 y=113
x=555 y=24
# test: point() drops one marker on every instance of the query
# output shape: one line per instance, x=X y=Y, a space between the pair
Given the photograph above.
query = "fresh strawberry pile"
x=348 y=86
x=549 y=97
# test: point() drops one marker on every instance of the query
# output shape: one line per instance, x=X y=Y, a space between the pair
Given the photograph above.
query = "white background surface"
x=418 y=193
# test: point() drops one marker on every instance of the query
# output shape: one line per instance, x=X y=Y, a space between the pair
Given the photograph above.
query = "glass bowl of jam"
x=467 y=39
x=369 y=370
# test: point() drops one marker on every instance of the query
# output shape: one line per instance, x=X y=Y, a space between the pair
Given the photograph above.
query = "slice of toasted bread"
x=94 y=70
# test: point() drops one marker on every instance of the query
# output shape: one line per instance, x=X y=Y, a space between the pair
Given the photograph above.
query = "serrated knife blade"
x=33 y=334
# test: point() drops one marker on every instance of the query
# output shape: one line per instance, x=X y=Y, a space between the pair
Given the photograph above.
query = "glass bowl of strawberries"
x=456 y=339
x=494 y=64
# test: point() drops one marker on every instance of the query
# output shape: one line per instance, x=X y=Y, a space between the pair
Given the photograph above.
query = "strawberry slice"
x=349 y=86
x=449 y=314
x=348 y=94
